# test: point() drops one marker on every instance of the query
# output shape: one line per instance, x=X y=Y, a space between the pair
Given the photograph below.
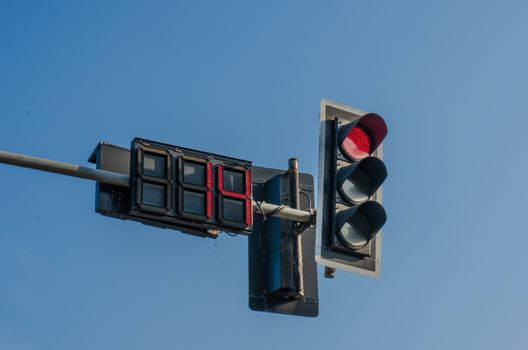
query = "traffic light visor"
x=359 y=181
x=357 y=226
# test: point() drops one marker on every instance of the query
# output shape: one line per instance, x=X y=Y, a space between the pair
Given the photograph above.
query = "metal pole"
x=282 y=211
x=117 y=179
x=293 y=170
x=64 y=168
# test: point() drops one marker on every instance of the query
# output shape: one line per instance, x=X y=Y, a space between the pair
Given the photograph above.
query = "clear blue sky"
x=238 y=78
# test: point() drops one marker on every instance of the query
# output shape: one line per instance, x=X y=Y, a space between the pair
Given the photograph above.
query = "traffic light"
x=351 y=172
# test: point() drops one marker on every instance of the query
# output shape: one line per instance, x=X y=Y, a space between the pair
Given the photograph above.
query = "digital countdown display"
x=190 y=190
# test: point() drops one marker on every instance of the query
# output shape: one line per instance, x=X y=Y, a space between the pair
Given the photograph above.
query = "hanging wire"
x=260 y=208
x=230 y=234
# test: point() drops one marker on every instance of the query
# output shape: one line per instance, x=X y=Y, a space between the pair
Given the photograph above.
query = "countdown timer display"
x=190 y=190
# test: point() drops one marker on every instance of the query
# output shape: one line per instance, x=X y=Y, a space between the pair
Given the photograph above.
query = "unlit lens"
x=355 y=231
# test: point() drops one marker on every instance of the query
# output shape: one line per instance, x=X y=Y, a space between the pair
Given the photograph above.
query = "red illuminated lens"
x=357 y=143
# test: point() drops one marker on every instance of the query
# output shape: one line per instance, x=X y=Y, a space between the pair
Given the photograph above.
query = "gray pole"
x=293 y=170
x=63 y=168
x=112 y=178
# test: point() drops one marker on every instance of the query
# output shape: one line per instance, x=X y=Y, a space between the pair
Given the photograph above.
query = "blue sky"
x=237 y=78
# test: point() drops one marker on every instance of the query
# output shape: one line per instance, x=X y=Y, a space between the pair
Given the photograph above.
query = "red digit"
x=209 y=199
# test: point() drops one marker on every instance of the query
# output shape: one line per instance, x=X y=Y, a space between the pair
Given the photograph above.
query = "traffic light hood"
x=359 y=181
x=358 y=225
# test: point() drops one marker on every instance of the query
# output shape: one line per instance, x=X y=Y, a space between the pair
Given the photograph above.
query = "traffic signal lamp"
x=351 y=172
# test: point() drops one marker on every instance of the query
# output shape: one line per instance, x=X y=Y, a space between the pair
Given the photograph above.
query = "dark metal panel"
x=111 y=200
x=271 y=280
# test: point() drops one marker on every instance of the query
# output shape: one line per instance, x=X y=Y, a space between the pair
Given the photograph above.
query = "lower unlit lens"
x=355 y=231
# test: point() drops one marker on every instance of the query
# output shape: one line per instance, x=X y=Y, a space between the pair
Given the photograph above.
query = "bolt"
x=329 y=272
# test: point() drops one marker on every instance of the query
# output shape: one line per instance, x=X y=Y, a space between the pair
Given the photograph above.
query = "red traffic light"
x=357 y=143
x=351 y=173
x=359 y=140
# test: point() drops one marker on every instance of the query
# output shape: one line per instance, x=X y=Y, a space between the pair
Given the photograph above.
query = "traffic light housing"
x=350 y=215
